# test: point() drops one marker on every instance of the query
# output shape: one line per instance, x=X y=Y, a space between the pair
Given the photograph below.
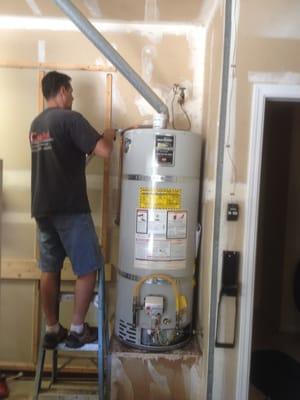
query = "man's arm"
x=104 y=146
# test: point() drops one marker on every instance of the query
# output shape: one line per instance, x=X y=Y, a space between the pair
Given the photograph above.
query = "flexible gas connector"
x=139 y=284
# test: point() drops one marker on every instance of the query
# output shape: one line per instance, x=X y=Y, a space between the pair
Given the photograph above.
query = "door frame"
x=261 y=94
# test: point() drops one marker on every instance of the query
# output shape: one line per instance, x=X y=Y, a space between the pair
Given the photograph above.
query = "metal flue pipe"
x=113 y=56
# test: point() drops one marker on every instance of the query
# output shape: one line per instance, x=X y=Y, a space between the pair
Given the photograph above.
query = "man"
x=60 y=140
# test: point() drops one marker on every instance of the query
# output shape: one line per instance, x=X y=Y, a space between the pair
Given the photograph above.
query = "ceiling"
x=190 y=11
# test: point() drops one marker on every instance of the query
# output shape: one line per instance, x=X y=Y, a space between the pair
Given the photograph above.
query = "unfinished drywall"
x=122 y=10
x=162 y=54
x=153 y=376
x=19 y=93
x=266 y=49
x=16 y=322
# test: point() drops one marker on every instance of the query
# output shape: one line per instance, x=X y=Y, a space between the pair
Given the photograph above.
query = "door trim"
x=261 y=93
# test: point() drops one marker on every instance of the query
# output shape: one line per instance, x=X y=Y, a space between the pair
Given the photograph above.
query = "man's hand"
x=109 y=133
x=104 y=146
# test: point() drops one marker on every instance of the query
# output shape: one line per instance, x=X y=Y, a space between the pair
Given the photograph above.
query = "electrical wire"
x=180 y=101
x=172 y=107
x=187 y=117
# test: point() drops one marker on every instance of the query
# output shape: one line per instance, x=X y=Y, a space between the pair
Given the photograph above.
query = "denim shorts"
x=72 y=236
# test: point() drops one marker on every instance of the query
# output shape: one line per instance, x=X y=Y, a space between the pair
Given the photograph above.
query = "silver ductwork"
x=113 y=56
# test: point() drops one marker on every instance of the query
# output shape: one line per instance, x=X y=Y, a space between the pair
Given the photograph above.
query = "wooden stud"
x=28 y=270
x=17 y=366
x=53 y=66
x=108 y=101
x=40 y=98
x=30 y=367
x=36 y=321
x=40 y=108
x=105 y=189
x=36 y=299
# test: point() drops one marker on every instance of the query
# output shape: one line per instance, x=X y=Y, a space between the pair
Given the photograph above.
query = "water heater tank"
x=159 y=208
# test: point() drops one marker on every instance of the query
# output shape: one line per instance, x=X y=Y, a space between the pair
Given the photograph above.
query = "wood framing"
x=105 y=191
x=53 y=66
x=28 y=270
x=40 y=108
x=36 y=321
x=30 y=367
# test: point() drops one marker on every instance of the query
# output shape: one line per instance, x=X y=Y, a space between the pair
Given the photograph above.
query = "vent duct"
x=113 y=56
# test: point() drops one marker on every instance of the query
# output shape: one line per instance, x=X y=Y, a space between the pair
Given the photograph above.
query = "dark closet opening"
x=276 y=318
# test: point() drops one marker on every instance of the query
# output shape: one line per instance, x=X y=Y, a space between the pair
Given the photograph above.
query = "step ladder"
x=99 y=349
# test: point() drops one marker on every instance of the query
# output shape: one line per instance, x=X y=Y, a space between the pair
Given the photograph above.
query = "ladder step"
x=89 y=347
x=101 y=359
x=79 y=387
x=65 y=396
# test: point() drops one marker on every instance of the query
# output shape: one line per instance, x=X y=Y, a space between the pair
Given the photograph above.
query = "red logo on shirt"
x=40 y=141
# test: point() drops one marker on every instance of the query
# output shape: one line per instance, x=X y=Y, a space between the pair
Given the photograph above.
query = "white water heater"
x=158 y=223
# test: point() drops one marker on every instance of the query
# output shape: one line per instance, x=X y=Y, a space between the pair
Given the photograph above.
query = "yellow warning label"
x=160 y=198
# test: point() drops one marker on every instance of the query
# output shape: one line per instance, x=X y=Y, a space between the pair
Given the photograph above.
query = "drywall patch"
x=159 y=388
x=41 y=51
x=120 y=382
x=144 y=108
x=209 y=189
x=148 y=52
x=93 y=8
x=288 y=78
x=119 y=105
x=194 y=106
x=34 y=7
x=151 y=10
x=208 y=11
x=192 y=380
x=152 y=15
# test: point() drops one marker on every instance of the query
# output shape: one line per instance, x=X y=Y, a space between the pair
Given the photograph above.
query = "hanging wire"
x=187 y=117
x=179 y=92
x=175 y=87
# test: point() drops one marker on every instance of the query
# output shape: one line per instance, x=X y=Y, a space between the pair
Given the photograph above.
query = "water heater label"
x=155 y=198
x=164 y=149
x=160 y=250
x=161 y=238
x=176 y=224
x=151 y=222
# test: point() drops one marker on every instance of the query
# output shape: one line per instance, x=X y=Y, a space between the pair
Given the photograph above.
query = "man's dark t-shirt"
x=60 y=140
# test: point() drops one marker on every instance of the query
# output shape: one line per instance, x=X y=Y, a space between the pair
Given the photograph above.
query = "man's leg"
x=82 y=247
x=84 y=289
x=49 y=296
x=55 y=333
